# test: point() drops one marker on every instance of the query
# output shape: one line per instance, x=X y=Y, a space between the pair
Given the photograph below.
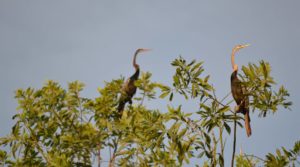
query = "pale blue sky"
x=93 y=41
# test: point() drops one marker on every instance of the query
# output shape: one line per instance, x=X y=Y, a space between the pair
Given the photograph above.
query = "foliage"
x=259 y=83
x=59 y=127
x=281 y=158
x=284 y=157
x=246 y=161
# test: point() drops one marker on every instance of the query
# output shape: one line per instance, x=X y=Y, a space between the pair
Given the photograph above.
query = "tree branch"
x=234 y=141
x=248 y=155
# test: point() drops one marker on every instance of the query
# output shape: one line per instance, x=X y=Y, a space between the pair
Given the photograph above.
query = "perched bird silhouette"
x=128 y=88
x=239 y=91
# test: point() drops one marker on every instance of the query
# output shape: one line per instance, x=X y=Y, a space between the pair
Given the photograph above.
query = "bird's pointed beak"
x=146 y=50
x=246 y=45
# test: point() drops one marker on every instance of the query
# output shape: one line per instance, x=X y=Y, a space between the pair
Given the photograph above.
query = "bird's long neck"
x=234 y=66
x=136 y=66
x=135 y=76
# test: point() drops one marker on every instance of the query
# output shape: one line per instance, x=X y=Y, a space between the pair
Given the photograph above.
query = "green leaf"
x=163 y=95
x=171 y=97
x=227 y=127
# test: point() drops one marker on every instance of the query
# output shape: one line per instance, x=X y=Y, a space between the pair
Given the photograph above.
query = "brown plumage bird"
x=239 y=91
x=128 y=88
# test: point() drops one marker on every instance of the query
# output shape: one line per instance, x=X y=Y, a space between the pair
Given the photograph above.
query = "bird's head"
x=140 y=50
x=239 y=47
x=234 y=50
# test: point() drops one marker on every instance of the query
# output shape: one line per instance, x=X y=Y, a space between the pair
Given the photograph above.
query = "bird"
x=239 y=91
x=129 y=89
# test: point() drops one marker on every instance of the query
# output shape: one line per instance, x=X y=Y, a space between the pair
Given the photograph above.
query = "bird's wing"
x=245 y=96
x=125 y=85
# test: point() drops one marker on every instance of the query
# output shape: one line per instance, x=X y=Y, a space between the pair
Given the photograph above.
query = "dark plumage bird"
x=239 y=91
x=129 y=89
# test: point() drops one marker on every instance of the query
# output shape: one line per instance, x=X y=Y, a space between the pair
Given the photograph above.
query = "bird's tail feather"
x=247 y=124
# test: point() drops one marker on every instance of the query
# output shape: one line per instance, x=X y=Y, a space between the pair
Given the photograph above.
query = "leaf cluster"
x=259 y=83
x=284 y=157
x=59 y=127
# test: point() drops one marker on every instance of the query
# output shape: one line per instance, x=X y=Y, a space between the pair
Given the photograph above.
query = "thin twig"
x=234 y=141
x=249 y=161
x=221 y=141
x=143 y=98
x=250 y=155
x=99 y=156
x=214 y=150
x=112 y=160
x=214 y=99
x=220 y=128
x=193 y=125
x=109 y=148
x=225 y=96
